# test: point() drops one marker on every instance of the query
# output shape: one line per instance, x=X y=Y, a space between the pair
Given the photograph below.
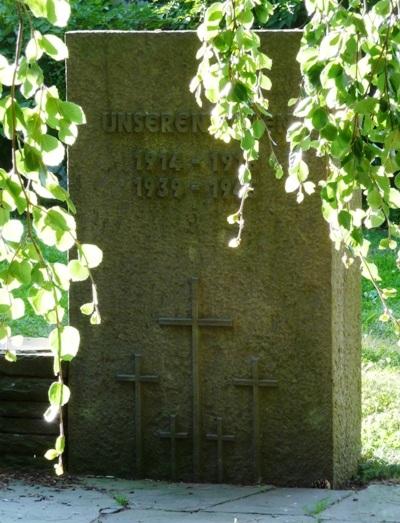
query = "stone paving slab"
x=285 y=501
x=31 y=504
x=186 y=497
x=94 y=500
x=377 y=503
x=158 y=516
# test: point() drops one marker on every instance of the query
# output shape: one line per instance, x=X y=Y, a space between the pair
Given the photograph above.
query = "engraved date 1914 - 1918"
x=146 y=160
x=165 y=187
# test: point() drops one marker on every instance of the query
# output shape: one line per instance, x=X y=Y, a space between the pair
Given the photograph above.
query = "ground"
x=380 y=377
x=108 y=500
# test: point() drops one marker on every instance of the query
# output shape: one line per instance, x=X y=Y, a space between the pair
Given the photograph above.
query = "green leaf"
x=51 y=454
x=319 y=118
x=38 y=7
x=291 y=184
x=244 y=174
x=91 y=255
x=265 y=82
x=259 y=128
x=87 y=309
x=64 y=342
x=329 y=132
x=246 y=18
x=370 y=271
x=68 y=132
x=374 y=218
x=382 y=7
x=374 y=199
x=21 y=271
x=78 y=270
x=12 y=231
x=215 y=12
x=263 y=12
x=17 y=309
x=52 y=149
x=59 y=394
x=60 y=444
x=33 y=51
x=239 y=92
x=4 y=216
x=386 y=243
x=72 y=112
x=394 y=198
x=58 y=12
x=276 y=166
x=42 y=301
x=58 y=219
x=389 y=293
x=366 y=106
x=344 y=218
x=248 y=141
x=95 y=319
x=54 y=47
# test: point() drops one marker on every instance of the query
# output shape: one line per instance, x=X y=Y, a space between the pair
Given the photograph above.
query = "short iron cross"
x=255 y=382
x=220 y=437
x=173 y=436
x=138 y=378
x=195 y=322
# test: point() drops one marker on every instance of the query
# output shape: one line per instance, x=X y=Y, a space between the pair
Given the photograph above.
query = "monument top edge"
x=162 y=32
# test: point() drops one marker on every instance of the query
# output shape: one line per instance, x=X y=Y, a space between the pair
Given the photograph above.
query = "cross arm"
x=215 y=322
x=177 y=435
x=216 y=437
x=176 y=321
x=133 y=378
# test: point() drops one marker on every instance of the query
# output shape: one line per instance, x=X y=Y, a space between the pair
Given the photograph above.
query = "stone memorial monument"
x=211 y=364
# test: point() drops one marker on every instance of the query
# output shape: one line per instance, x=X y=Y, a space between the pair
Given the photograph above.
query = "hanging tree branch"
x=39 y=125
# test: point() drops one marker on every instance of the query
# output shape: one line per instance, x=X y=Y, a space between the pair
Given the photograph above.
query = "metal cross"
x=195 y=322
x=220 y=437
x=138 y=378
x=255 y=382
x=173 y=436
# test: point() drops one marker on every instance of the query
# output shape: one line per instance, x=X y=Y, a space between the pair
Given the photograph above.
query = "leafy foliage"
x=348 y=113
x=34 y=209
x=232 y=76
x=132 y=15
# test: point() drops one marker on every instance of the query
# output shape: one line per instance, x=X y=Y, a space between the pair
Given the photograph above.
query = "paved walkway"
x=106 y=500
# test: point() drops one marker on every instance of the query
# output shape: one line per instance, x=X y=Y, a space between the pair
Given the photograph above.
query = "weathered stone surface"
x=155 y=516
x=95 y=500
x=181 y=497
x=161 y=220
x=377 y=503
x=40 y=504
x=285 y=502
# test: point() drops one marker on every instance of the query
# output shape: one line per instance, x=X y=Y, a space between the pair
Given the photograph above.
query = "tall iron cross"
x=220 y=437
x=255 y=383
x=173 y=435
x=138 y=378
x=195 y=323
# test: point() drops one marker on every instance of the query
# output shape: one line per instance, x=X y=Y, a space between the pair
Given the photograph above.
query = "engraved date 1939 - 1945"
x=165 y=187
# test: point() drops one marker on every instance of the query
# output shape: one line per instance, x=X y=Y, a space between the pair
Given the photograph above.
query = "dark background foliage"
x=133 y=15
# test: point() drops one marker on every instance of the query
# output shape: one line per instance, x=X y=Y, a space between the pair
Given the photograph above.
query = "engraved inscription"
x=165 y=187
x=148 y=160
x=155 y=122
x=215 y=161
